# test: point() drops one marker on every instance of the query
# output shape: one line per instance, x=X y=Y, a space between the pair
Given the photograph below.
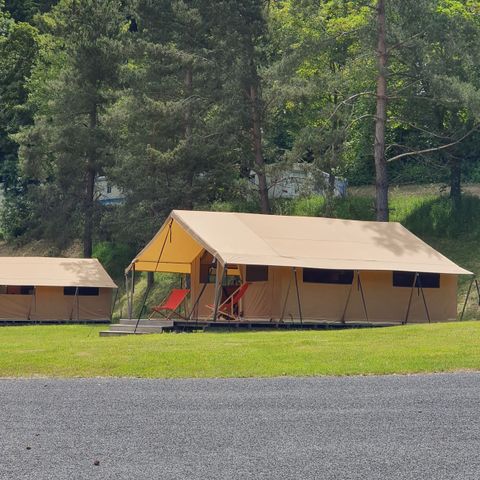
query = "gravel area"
x=392 y=427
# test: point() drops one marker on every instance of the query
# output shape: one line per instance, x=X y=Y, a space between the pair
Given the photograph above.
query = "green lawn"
x=78 y=351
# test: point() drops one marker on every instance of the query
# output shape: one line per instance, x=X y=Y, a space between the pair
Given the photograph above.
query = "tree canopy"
x=179 y=103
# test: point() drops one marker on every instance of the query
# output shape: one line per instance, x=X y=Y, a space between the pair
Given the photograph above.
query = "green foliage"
x=70 y=90
x=351 y=208
x=115 y=257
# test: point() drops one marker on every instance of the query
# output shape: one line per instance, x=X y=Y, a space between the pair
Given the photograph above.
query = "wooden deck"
x=146 y=326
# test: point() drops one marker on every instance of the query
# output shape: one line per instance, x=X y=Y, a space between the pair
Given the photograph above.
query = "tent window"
x=320 y=275
x=208 y=274
x=257 y=273
x=424 y=280
x=17 y=290
x=82 y=291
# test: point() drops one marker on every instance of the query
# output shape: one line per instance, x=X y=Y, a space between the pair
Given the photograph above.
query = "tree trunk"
x=381 y=183
x=90 y=191
x=456 y=180
x=88 y=213
x=188 y=132
x=257 y=148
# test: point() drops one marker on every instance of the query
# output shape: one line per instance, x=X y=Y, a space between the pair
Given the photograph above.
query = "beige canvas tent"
x=42 y=289
x=304 y=269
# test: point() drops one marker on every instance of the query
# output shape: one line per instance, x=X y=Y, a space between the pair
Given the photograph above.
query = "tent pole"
x=286 y=298
x=342 y=320
x=298 y=295
x=424 y=299
x=147 y=291
x=362 y=295
x=73 y=305
x=478 y=290
x=113 y=306
x=31 y=304
x=410 y=299
x=218 y=287
x=468 y=296
x=195 y=305
x=132 y=291
x=127 y=293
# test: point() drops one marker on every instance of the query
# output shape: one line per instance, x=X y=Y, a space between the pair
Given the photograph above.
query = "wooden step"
x=142 y=327
x=159 y=322
x=118 y=333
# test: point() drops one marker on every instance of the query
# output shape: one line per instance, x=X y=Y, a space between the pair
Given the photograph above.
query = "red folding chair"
x=171 y=304
x=229 y=307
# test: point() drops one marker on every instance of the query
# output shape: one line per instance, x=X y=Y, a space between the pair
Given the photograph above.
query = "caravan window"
x=424 y=280
x=257 y=273
x=17 y=289
x=321 y=275
x=82 y=291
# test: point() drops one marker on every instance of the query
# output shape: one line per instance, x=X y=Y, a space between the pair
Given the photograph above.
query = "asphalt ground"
x=391 y=427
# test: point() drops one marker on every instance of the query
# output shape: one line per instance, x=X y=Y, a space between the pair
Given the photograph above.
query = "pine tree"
x=71 y=88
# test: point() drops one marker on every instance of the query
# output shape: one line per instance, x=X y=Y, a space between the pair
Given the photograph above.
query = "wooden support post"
x=286 y=299
x=132 y=290
x=218 y=288
x=410 y=299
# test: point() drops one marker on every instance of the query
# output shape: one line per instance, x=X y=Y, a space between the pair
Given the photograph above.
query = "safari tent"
x=47 y=289
x=302 y=269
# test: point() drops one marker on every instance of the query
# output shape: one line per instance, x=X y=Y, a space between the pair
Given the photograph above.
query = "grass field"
x=78 y=351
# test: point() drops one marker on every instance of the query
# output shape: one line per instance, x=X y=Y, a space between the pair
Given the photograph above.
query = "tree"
x=381 y=117
x=175 y=140
x=70 y=89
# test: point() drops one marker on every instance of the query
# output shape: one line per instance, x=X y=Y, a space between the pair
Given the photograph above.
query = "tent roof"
x=54 y=272
x=310 y=242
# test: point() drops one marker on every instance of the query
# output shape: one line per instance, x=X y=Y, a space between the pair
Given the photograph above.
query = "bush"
x=115 y=257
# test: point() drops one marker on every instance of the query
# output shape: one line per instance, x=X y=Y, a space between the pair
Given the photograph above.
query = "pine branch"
x=434 y=149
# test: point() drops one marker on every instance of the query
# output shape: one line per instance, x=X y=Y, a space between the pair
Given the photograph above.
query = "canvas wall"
x=326 y=302
x=50 y=304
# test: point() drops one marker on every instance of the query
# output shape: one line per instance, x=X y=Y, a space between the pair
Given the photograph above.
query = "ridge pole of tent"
x=360 y=287
x=468 y=296
x=298 y=295
x=286 y=298
x=424 y=299
x=218 y=288
x=342 y=320
x=410 y=298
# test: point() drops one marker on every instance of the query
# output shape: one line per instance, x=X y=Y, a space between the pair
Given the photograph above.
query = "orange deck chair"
x=170 y=305
x=229 y=306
